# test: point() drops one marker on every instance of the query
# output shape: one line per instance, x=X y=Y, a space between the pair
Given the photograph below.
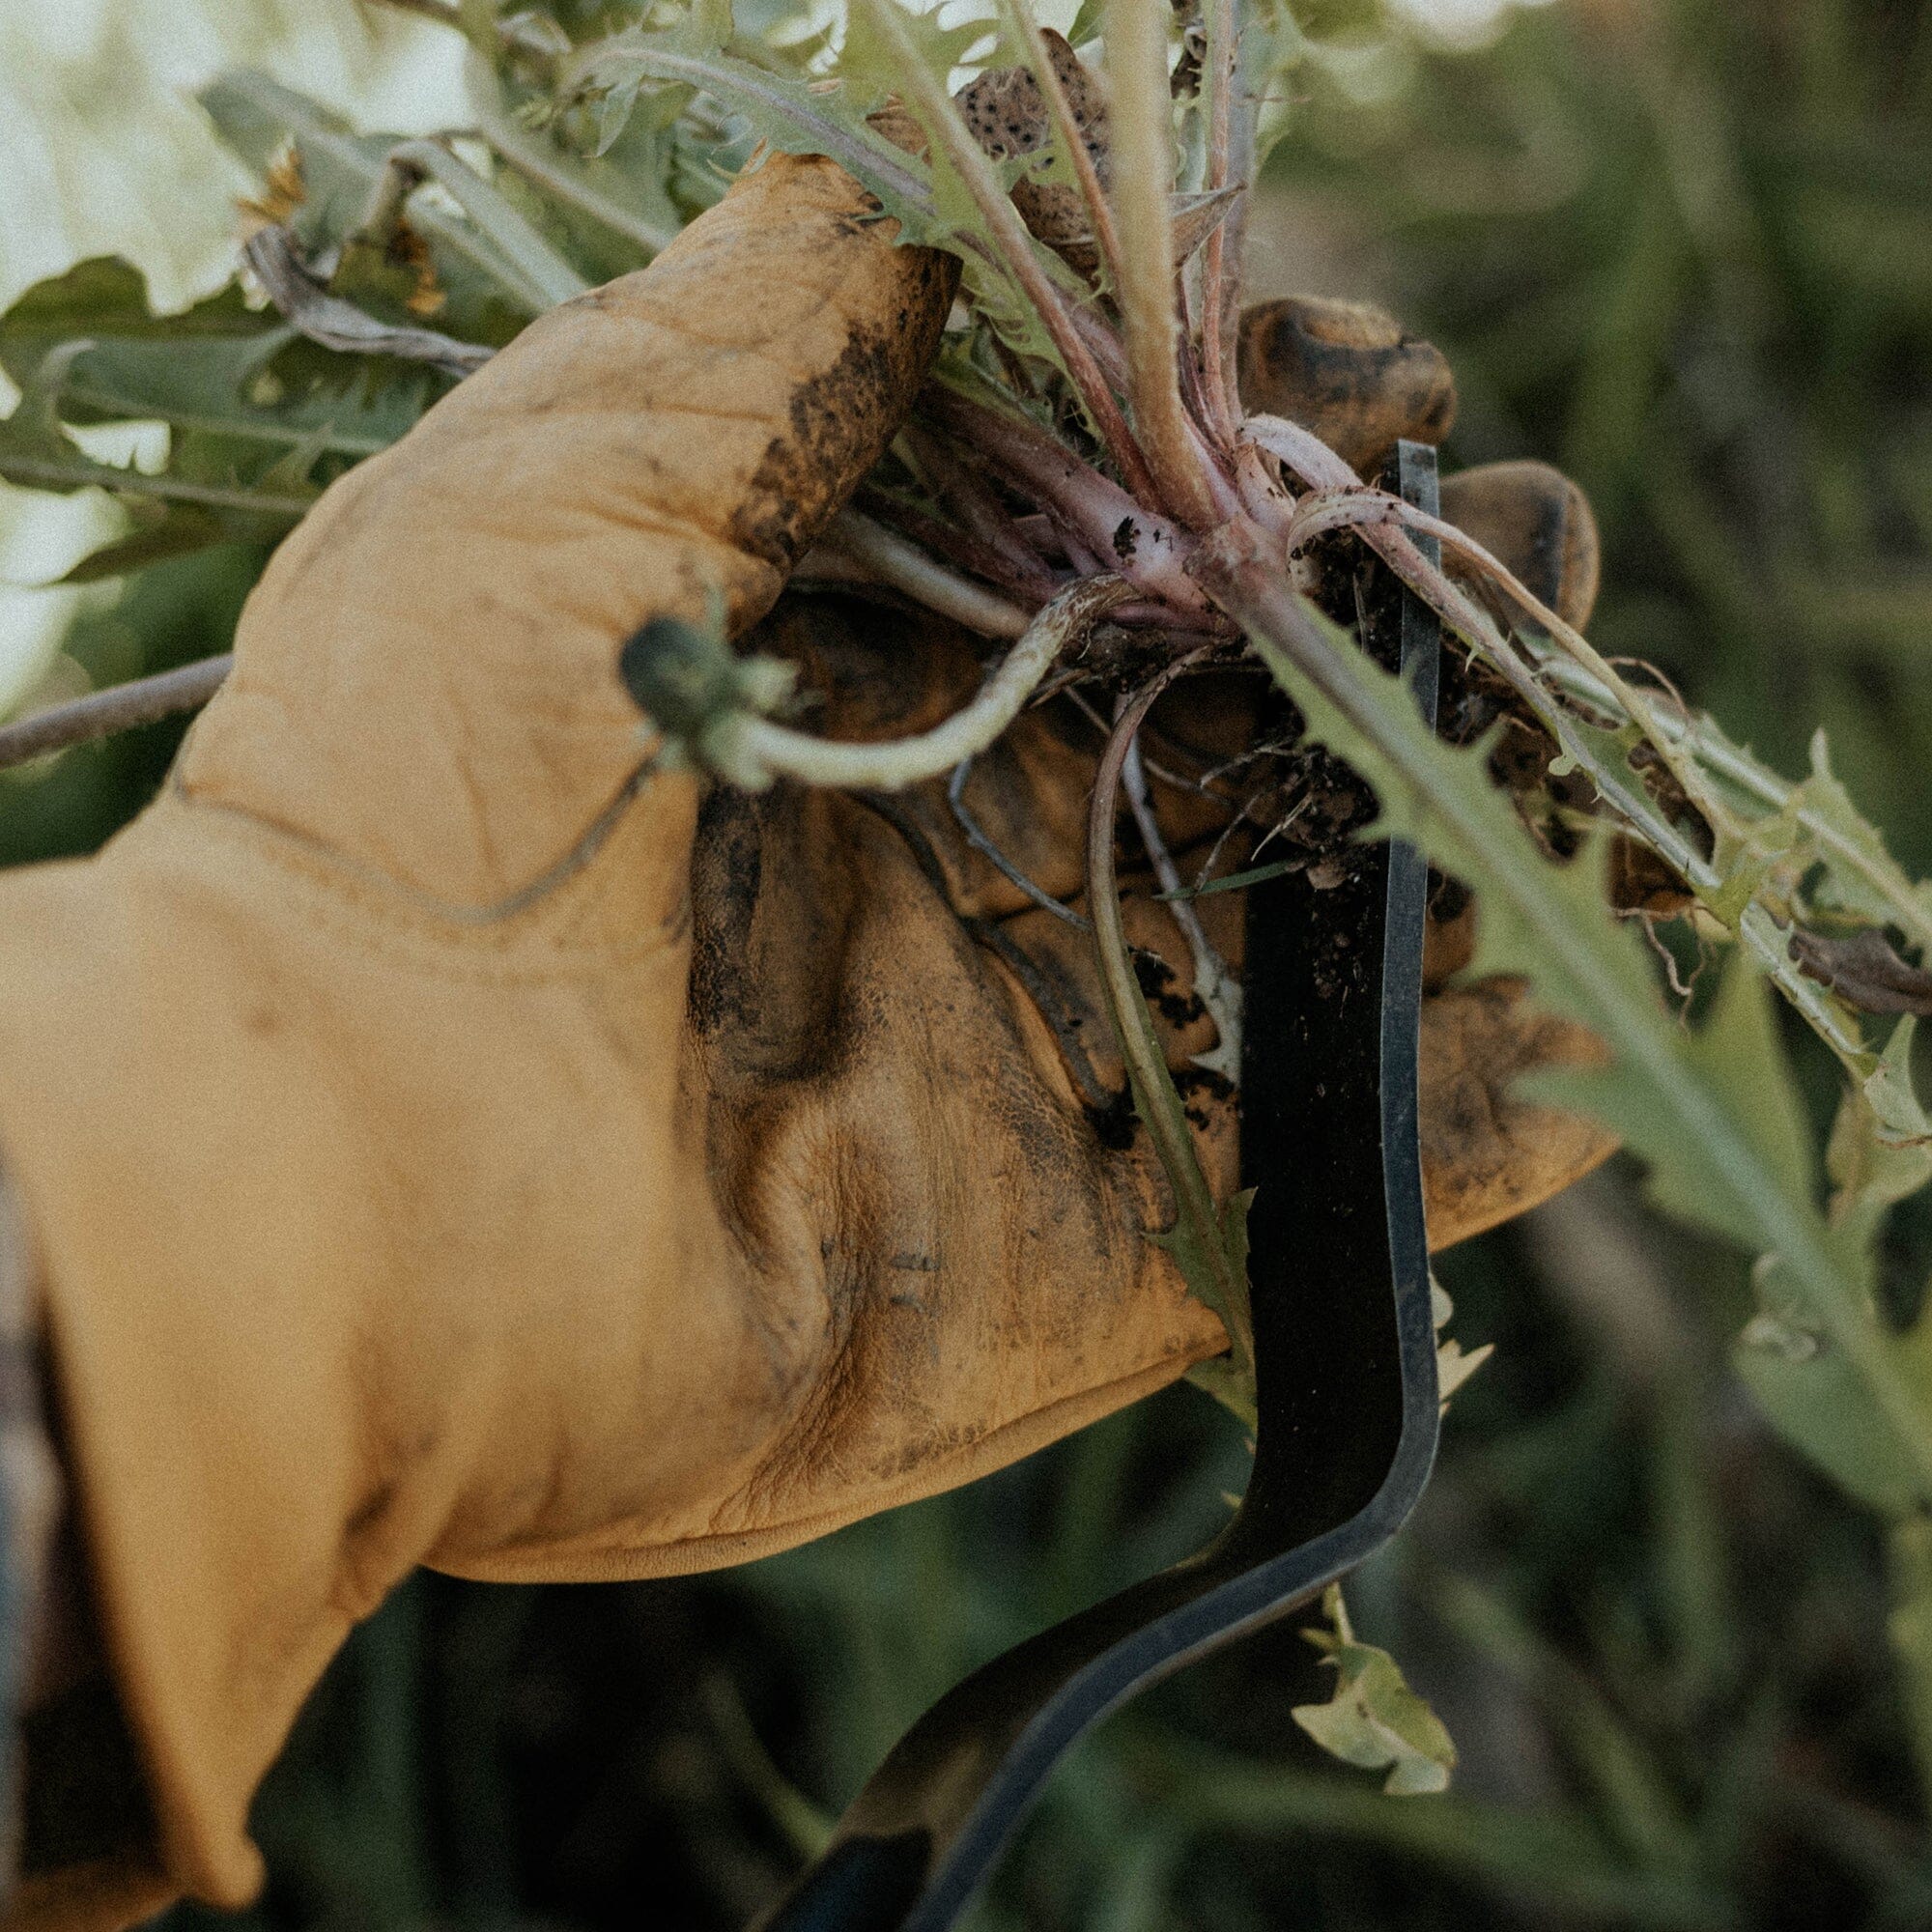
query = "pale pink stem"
x=1301 y=449
x=1385 y=522
x=1112 y=358
x=1222 y=45
x=1073 y=142
x=975 y=505
x=1141 y=544
x=1263 y=497
x=1012 y=246
x=905 y=567
x=1143 y=186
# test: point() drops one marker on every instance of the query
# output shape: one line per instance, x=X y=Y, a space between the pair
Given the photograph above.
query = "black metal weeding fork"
x=1345 y=1349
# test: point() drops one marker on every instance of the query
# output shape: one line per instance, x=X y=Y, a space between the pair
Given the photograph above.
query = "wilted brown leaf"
x=1865 y=972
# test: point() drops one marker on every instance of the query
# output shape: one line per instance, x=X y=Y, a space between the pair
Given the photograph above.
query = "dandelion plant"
x=1081 y=463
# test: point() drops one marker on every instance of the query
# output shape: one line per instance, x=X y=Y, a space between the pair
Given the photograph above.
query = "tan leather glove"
x=431 y=1160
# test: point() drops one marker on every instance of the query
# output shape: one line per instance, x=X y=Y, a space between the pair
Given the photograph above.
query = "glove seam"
x=377 y=917
x=525 y=898
x=689 y=1555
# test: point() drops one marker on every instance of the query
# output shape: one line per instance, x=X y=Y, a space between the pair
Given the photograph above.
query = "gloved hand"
x=448 y=1140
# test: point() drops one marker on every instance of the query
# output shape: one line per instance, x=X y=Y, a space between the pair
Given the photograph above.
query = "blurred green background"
x=1682 y=248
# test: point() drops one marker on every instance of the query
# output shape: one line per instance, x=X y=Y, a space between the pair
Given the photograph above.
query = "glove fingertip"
x=1533 y=519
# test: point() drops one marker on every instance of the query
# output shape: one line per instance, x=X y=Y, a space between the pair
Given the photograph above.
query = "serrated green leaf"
x=1814 y=823
x=1771 y=843
x=1740 y=1061
x=103 y=300
x=872 y=63
x=538 y=275
x=175 y=514
x=1814 y=1394
x=1374 y=1719
x=275 y=393
x=1881 y=1144
x=259 y=420
x=159 y=532
x=611 y=211
x=489 y=298
x=219 y=368
x=1086 y=23
x=1740 y=1174
x=1860 y=875
x=927 y=197
x=786 y=112
x=1817 y=1402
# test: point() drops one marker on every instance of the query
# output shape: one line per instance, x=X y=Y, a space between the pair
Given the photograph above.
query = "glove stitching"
x=624 y=1553
x=350 y=894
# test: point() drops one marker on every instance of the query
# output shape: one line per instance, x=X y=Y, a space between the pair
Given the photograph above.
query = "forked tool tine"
x=1345 y=1349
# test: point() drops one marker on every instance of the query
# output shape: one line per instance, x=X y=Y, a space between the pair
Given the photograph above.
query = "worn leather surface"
x=445 y=1142
x=1347 y=370
x=1539 y=522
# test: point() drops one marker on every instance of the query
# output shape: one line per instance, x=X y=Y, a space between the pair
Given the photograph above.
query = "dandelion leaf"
x=1374 y=1719
x=257 y=420
x=1857 y=876
x=1881 y=1144
x=1713 y=1111
x=261 y=122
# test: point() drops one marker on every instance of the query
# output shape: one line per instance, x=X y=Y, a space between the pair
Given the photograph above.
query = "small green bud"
x=692 y=685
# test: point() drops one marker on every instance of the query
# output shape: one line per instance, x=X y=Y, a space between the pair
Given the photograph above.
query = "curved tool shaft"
x=1345 y=1368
